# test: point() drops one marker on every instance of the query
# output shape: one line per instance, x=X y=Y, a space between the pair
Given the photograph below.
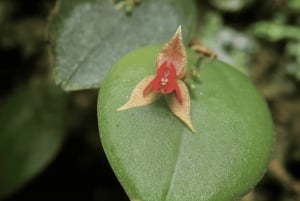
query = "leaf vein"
x=172 y=180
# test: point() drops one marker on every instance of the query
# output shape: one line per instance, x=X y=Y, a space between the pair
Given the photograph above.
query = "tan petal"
x=137 y=99
x=174 y=52
x=181 y=110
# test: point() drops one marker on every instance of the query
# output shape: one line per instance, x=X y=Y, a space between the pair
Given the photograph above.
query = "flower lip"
x=165 y=81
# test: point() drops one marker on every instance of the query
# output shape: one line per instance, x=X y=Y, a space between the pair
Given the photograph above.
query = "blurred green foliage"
x=231 y=5
x=33 y=121
x=232 y=46
x=239 y=45
x=32 y=108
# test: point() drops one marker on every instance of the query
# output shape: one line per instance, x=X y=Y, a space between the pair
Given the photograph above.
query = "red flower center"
x=165 y=81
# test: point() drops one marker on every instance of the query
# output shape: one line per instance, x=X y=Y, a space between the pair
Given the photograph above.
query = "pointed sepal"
x=174 y=52
x=181 y=110
x=137 y=98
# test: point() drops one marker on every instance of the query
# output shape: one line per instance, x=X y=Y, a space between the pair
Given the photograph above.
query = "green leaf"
x=293 y=66
x=294 y=5
x=31 y=134
x=91 y=35
x=157 y=158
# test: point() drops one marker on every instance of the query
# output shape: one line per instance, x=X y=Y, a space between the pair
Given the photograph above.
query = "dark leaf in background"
x=90 y=35
x=32 y=130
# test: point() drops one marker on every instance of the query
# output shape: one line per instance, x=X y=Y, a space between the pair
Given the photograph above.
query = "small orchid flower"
x=164 y=81
x=170 y=69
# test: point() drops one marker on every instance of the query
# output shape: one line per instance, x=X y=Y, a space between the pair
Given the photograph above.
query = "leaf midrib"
x=90 y=51
x=174 y=172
